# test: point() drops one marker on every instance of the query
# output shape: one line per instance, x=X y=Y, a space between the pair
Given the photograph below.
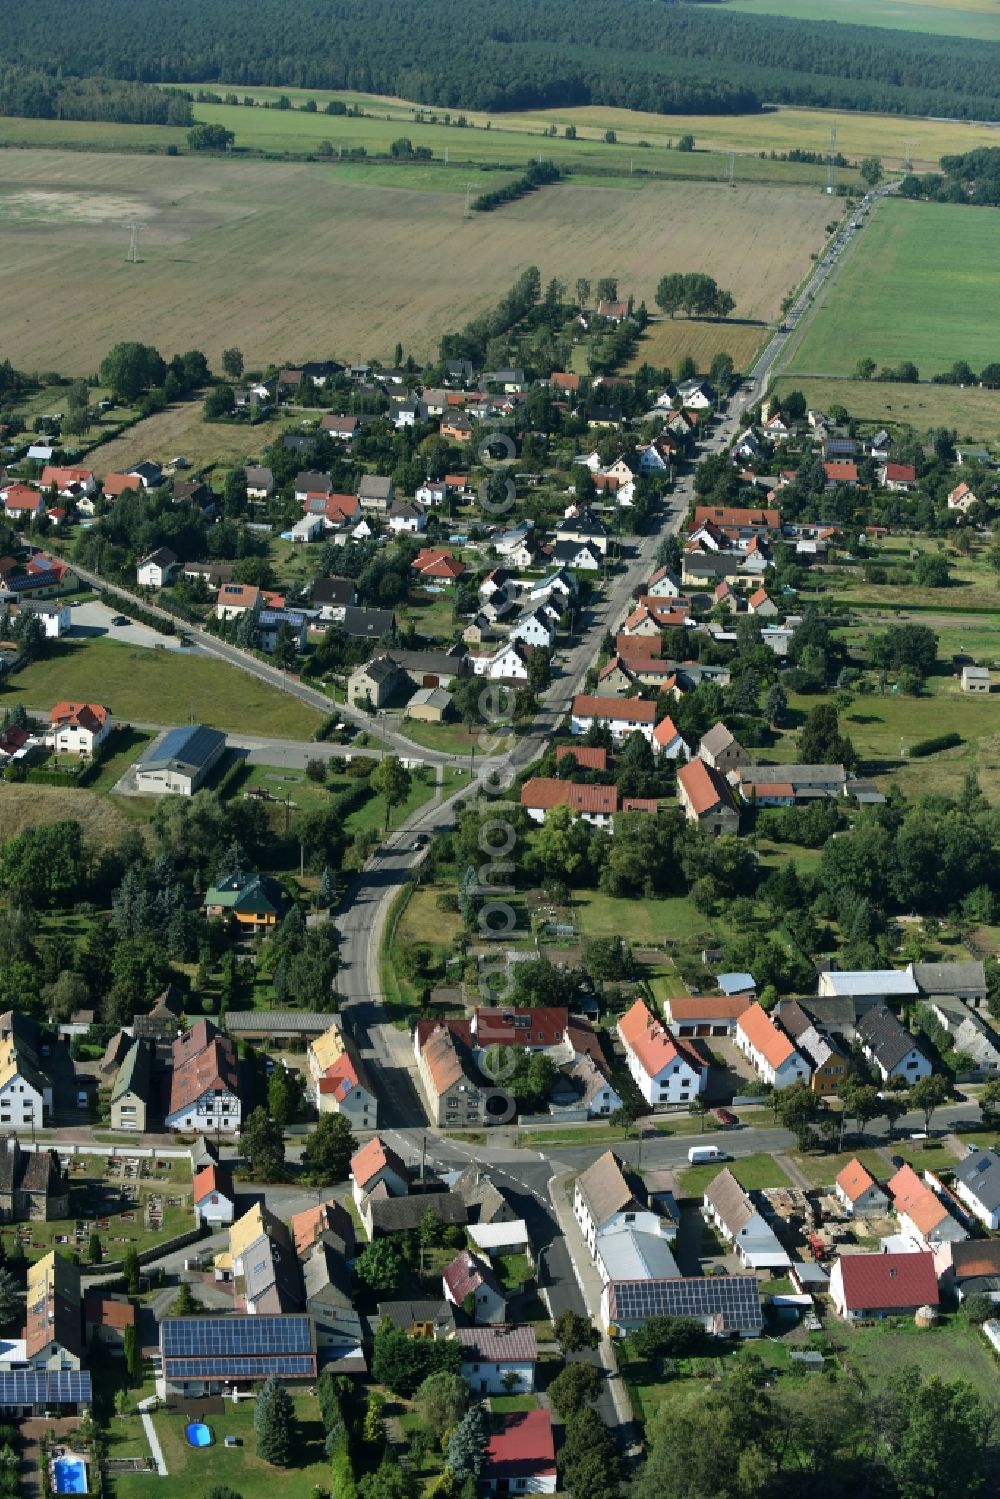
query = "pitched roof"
x=497 y=1345
x=685 y=1007
x=542 y=1025
x=392 y=1215
x=607 y=1187
x=374 y=1157
x=90 y=716
x=945 y=978
x=854 y=1181
x=466 y=1273
x=653 y=1046
x=211 y=1180
x=665 y=733
x=889 y=1040
x=628 y=710
x=108 y=1311
x=210 y=1069
x=522 y=1448
x=888 y=1282
x=764 y=1036
x=730 y=1201
x=52 y=1305
x=737 y=516
x=980 y=1174
x=588 y=756
x=442 y=1059
x=705 y=787
x=133 y=1074
x=542 y=793
x=717 y=739
x=970 y=1257
x=326 y=1217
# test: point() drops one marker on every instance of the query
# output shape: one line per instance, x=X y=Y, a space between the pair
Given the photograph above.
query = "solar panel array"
x=45 y=1387
x=736 y=1297
x=236 y=1337
x=232 y=1366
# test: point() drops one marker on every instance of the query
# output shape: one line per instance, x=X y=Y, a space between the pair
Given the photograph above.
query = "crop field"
x=182 y=429
x=288 y=261
x=921 y=283
x=667 y=340
x=972 y=413
x=974 y=18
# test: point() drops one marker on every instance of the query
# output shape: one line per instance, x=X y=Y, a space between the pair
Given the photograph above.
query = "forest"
x=35 y=95
x=535 y=53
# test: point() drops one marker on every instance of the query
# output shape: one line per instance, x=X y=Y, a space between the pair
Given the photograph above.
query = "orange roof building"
x=377 y=1163
x=623 y=716
x=704 y=1015
x=707 y=798
x=769 y=1050
x=596 y=804
x=860 y=1192
x=448 y=1078
x=665 y=1069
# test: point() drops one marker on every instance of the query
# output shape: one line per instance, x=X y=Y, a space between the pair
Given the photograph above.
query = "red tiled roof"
x=544 y=1025
x=704 y=786
x=665 y=733
x=640 y=804
x=459 y=1028
x=736 y=515
x=213 y=1179
x=522 y=1448
x=105 y=1311
x=373 y=1158
x=888 y=1282
x=627 y=710
x=239 y=595
x=765 y=1037
x=208 y=1070
x=340 y=1078
x=91 y=716
x=900 y=473
x=61 y=477
x=116 y=484
x=21 y=497
x=654 y=1046
x=588 y=756
x=545 y=792
x=841 y=473
x=432 y=562
x=707 y=1007
x=466 y=1273
x=854 y=1181
x=760 y=597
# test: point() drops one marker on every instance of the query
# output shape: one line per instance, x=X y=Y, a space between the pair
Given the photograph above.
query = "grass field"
x=213 y=227
x=104 y=822
x=754 y=1173
x=973 y=18
x=972 y=413
x=175 y=686
x=181 y=429
x=952 y=1351
x=922 y=283
x=823 y=1170
x=667 y=341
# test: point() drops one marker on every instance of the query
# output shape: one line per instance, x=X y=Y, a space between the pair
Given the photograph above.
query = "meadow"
x=922 y=283
x=292 y=261
x=971 y=412
x=975 y=18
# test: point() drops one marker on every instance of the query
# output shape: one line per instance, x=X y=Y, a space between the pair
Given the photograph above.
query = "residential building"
x=452 y=1092
x=969 y=1035
x=629 y=1253
x=327 y=1279
x=976 y=679
x=727 y=1207
x=969 y=1267
x=890 y=1048
x=260 y=482
x=595 y=804
x=470 y=1283
x=664 y=1069
x=977 y=1184
x=925 y=1216
x=964 y=981
x=130 y=1093
x=961 y=498
x=34 y=1188
x=332 y=596
x=625 y=717
x=438 y=566
x=404 y=1215
x=768 y=1050
x=591 y=1085
x=867 y=1286
x=377 y=1165
x=328 y=1223
x=704 y=1015
x=706 y=797
x=235 y=599
x=192 y=1365
x=266 y=1273
x=540 y=1028
x=204 y=1084
x=53 y=1330
x=667 y=742
x=161 y=1025
x=105 y=1318
x=271 y=622
x=55 y=617
x=158 y=569
x=253 y=901
x=859 y=1192
x=25 y=1090
x=720 y=749
x=375 y=683
x=214 y=1196
x=726 y=1305
x=430 y=705
x=342 y=1086
x=79 y=728
x=609 y=1195
x=484 y=1200
x=498 y=1360
x=521 y=1455
x=180 y=762
x=829 y=1062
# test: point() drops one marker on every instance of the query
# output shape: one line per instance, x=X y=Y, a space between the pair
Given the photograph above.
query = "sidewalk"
x=591 y=1287
x=151 y=1437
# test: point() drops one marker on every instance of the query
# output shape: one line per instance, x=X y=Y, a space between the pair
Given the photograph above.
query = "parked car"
x=119 y=619
x=726 y=1118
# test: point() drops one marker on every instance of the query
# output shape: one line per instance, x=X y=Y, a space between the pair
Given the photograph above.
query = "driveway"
x=95 y=619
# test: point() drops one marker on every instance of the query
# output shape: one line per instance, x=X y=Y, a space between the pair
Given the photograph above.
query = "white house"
x=890 y=1048
x=534 y=629
x=339 y=1083
x=498 y=1360
x=79 y=728
x=925 y=1217
x=521 y=1455
x=866 y=1286
x=408 y=519
x=665 y=1069
x=54 y=616
x=668 y=743
x=310 y=528
x=214 y=1196
x=377 y=1164
x=469 y=1282
x=607 y=1195
x=509 y=663
x=977 y=1184
x=157 y=570
x=731 y=1210
x=623 y=716
x=204 y=1083
x=25 y=1093
x=769 y=1050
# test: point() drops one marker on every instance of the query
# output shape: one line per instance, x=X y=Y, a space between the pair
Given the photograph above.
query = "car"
x=119 y=619
x=726 y=1118
x=421 y=840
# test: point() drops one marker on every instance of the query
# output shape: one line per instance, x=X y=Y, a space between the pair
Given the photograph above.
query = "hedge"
x=931 y=746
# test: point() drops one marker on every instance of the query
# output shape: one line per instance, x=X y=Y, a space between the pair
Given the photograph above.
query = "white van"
x=699 y=1154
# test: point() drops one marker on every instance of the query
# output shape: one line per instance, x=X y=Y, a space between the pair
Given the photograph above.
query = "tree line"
x=34 y=95
x=539 y=54
x=973 y=177
x=539 y=174
x=693 y=293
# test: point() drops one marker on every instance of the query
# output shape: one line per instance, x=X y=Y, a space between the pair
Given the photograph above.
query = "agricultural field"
x=922 y=283
x=182 y=429
x=973 y=18
x=175 y=686
x=211 y=225
x=973 y=413
x=667 y=341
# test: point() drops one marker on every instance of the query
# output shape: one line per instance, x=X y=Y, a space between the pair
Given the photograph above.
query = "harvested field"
x=364 y=266
x=182 y=429
x=23 y=807
x=668 y=340
x=972 y=413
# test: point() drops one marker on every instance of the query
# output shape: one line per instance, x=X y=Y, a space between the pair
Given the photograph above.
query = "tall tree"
x=273 y=1423
x=263 y=1146
x=391 y=780
x=326 y=1155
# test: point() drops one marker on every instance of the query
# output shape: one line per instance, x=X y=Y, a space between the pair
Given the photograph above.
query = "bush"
x=931 y=746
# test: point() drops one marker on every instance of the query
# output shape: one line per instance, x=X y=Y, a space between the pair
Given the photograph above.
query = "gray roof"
x=498 y=1345
x=430 y=697
x=334 y=591
x=436 y=663
x=632 y=1255
x=607 y=1187
x=717 y=739
x=268 y=1263
x=482 y=1197
x=730 y=1201
x=278 y=1022
x=367 y=624
x=949 y=978
x=817 y=1047
x=375 y=486
x=875 y=981
x=326 y=1274
x=393 y=1215
x=980 y=1174
x=403 y=1314
x=796 y=775
x=888 y=1039
x=185 y=749
x=828 y=1011
x=133 y=1074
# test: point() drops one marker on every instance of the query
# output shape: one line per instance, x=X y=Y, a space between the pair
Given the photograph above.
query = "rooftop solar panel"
x=735 y=1297
x=45 y=1387
x=234 y=1337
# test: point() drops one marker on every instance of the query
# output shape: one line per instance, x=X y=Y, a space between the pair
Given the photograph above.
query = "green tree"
x=441 y=1402
x=284 y=1094
x=133 y=1360
x=467 y=1444
x=379 y=1267
x=686 y=143
x=326 y=1155
x=775 y=703
x=575 y=1333
x=95 y=1253
x=69 y=992
x=274 y=1424
x=210 y=138
x=574 y=1387
x=669 y=294
x=184 y=1304
x=989 y=1102
x=130 y=369
x=373 y=1429
x=220 y=402
x=865 y=368
x=263 y=1146
x=11 y=1299
x=821 y=743
x=391 y=780
x=667 y=1337
x=232 y=363
x=871 y=171
x=929 y=1094
x=131 y=1268
x=931 y=571
x=930 y=1422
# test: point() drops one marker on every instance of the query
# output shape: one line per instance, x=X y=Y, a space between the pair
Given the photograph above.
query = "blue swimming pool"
x=198 y=1434
x=69 y=1475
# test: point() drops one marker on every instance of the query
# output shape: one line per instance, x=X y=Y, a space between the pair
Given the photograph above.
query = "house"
x=430 y=705
x=762 y=604
x=696 y=395
x=964 y=981
x=898 y=477
x=925 y=1217
x=541 y=1028
x=595 y=804
x=55 y=618
x=114 y=486
x=452 y=1092
x=214 y=1196
x=859 y=1192
x=406 y=518
x=830 y=1064
x=105 y=1318
x=343 y=428
x=841 y=473
x=160 y=1025
x=310 y=528
x=667 y=742
x=332 y=596
x=704 y=1015
x=328 y=1223
x=130 y=1093
x=367 y=624
x=34 y=1188
x=583 y=526
x=720 y=749
x=664 y=584
x=23 y=504
x=498 y=1360
x=535 y=630
x=962 y=498
x=339 y=1336
x=245 y=1350
x=627 y=1253
x=612 y=308
x=520 y=1455
x=664 y=1068
x=68 y=482
x=405 y=1215
x=254 y=901
x=969 y=1035
x=343 y=1087
x=374 y=684
x=484 y=1200
x=377 y=1165
x=968 y=1267
x=609 y=1195
x=25 y=1091
x=309 y=483
x=976 y=679
x=180 y=762
x=728 y=1208
x=469 y=1282
x=706 y=798
x=79 y=728
x=867 y=1286
x=737 y=522
x=587 y=1082
x=977 y=1184
x=212 y=574
x=53 y=1329
x=768 y=1050
x=271 y=622
x=266 y=1273
x=632 y=715
x=259 y=481
x=437 y=565
x=890 y=1048
x=375 y=493
x=157 y=570
x=726 y=1305
x=204 y=1082
x=235 y=599
x=587 y=757
x=869 y=987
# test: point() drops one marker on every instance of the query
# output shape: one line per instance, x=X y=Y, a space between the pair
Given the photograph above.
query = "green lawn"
x=281 y=782
x=972 y=413
x=124 y=746
x=160 y=687
x=919 y=284
x=371 y=815
x=509 y=1405
x=753 y=1172
x=823 y=1170
x=641 y=922
x=953 y=1350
